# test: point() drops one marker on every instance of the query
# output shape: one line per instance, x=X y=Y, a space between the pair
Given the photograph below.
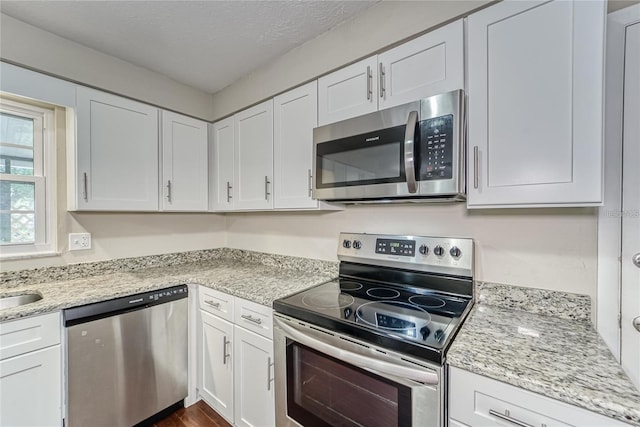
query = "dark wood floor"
x=198 y=415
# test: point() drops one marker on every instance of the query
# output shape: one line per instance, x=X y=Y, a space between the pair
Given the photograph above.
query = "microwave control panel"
x=436 y=148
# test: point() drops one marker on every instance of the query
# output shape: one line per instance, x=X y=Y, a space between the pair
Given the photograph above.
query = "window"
x=26 y=179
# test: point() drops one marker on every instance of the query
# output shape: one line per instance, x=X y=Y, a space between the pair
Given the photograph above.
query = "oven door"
x=326 y=379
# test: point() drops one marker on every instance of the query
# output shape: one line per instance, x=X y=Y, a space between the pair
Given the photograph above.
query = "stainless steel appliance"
x=369 y=348
x=412 y=151
x=126 y=358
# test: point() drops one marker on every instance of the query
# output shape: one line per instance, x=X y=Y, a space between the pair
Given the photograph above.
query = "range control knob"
x=438 y=335
x=346 y=244
x=424 y=331
x=423 y=249
x=438 y=250
x=357 y=244
x=455 y=252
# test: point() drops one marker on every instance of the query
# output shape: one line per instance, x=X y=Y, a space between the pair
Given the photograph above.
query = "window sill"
x=16 y=257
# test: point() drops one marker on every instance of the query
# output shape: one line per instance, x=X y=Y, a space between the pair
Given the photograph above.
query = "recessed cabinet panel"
x=254 y=384
x=30 y=389
x=222 y=165
x=253 y=175
x=184 y=160
x=348 y=92
x=117 y=153
x=216 y=362
x=529 y=125
x=535 y=93
x=428 y=65
x=295 y=116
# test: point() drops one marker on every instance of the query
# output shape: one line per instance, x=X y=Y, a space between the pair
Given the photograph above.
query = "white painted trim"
x=609 y=215
x=27 y=83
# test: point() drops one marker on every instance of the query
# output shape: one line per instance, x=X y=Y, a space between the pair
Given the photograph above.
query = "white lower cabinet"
x=479 y=401
x=235 y=358
x=216 y=375
x=31 y=378
x=254 y=397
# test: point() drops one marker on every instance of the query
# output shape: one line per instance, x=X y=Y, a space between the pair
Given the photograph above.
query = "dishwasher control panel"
x=86 y=313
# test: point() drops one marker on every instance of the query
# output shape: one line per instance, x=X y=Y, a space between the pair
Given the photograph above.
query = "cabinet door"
x=184 y=163
x=222 y=165
x=295 y=115
x=116 y=153
x=31 y=389
x=215 y=364
x=254 y=398
x=535 y=104
x=253 y=174
x=426 y=66
x=348 y=92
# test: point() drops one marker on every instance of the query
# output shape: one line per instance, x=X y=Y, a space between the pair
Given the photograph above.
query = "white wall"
x=383 y=24
x=32 y=47
x=546 y=248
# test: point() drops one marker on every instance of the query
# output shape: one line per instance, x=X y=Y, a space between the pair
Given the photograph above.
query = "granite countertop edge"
x=573 y=365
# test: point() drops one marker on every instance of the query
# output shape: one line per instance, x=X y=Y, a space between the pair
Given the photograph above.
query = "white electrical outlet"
x=79 y=241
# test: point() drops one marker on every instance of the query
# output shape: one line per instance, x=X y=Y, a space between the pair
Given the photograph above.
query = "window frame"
x=44 y=180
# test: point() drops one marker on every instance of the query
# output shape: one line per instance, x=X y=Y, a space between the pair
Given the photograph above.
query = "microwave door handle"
x=360 y=360
x=409 y=152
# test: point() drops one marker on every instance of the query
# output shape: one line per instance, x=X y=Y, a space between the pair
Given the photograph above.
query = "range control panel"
x=424 y=253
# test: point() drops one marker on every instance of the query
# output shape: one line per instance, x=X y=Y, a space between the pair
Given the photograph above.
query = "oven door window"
x=371 y=158
x=323 y=391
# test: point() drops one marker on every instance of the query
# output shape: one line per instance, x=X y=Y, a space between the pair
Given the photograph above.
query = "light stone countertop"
x=240 y=276
x=558 y=358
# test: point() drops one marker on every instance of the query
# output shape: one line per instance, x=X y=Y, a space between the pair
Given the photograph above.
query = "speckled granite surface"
x=540 y=301
x=261 y=278
x=558 y=358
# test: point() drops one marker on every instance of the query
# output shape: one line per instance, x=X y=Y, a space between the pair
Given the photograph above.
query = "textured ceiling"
x=204 y=44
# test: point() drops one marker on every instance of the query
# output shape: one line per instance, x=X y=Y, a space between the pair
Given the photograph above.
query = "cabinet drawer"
x=254 y=317
x=29 y=334
x=480 y=401
x=216 y=302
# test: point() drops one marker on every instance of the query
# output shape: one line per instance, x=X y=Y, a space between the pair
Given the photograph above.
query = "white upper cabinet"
x=253 y=174
x=295 y=116
x=428 y=65
x=349 y=92
x=221 y=163
x=184 y=163
x=116 y=153
x=535 y=104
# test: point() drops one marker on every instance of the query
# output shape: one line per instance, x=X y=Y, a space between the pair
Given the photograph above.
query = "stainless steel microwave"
x=412 y=151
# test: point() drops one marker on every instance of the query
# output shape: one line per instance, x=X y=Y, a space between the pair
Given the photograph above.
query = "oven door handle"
x=359 y=360
x=409 y=151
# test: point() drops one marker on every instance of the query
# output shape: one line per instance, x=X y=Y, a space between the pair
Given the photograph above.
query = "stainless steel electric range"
x=368 y=349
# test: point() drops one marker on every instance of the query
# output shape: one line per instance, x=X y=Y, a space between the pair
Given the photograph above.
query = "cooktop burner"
x=409 y=300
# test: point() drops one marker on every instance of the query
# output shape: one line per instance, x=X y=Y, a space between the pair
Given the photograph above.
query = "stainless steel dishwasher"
x=126 y=358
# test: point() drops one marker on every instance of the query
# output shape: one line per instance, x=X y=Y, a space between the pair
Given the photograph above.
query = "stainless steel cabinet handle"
x=409 y=168
x=310 y=184
x=224 y=350
x=383 y=88
x=266 y=188
x=369 y=78
x=85 y=193
x=212 y=304
x=475 y=167
x=269 y=377
x=229 y=187
x=169 y=191
x=248 y=317
x=636 y=323
x=507 y=418
x=636 y=259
